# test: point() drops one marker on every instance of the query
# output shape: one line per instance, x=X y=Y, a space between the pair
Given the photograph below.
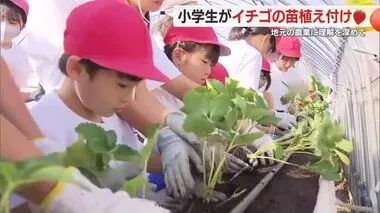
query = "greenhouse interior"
x=109 y=107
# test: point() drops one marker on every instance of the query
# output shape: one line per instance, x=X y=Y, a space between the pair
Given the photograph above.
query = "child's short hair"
x=92 y=68
x=213 y=51
x=14 y=13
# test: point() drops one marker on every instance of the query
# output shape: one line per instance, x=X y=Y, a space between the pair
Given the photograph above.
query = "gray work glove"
x=175 y=156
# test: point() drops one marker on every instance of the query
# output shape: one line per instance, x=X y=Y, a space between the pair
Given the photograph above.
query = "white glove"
x=265 y=143
x=287 y=120
x=175 y=155
x=68 y=198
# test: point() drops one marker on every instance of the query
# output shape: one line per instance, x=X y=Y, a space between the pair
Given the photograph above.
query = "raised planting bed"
x=292 y=190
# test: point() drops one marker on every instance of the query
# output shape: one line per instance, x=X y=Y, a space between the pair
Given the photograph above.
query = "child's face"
x=105 y=93
x=196 y=65
x=10 y=17
x=285 y=63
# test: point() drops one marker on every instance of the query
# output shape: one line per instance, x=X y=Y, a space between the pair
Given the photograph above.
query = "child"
x=249 y=45
x=194 y=50
x=102 y=69
x=13 y=19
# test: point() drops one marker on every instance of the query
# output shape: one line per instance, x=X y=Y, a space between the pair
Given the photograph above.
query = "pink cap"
x=202 y=35
x=113 y=35
x=219 y=73
x=23 y=5
x=265 y=66
x=289 y=46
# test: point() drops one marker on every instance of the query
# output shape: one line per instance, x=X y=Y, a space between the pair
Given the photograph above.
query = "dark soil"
x=292 y=190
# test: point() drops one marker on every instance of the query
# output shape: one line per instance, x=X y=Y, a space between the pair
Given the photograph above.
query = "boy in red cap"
x=103 y=63
x=14 y=15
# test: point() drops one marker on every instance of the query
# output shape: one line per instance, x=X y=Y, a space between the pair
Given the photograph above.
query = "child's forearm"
x=180 y=86
x=12 y=105
x=15 y=146
x=145 y=111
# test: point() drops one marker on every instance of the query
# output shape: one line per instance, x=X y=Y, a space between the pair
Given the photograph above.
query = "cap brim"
x=144 y=71
x=224 y=50
x=291 y=53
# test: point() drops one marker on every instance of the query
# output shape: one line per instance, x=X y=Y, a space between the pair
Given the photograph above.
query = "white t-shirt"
x=244 y=64
x=57 y=122
x=20 y=68
x=44 y=42
x=280 y=82
x=168 y=100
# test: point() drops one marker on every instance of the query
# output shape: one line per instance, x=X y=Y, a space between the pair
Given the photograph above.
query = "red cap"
x=289 y=46
x=202 y=35
x=219 y=73
x=113 y=35
x=265 y=66
x=23 y=5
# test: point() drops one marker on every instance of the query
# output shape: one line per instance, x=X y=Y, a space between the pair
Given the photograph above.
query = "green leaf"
x=231 y=118
x=259 y=101
x=248 y=139
x=345 y=145
x=231 y=84
x=80 y=156
x=8 y=173
x=52 y=173
x=269 y=120
x=278 y=151
x=125 y=153
x=195 y=102
x=216 y=85
x=241 y=104
x=96 y=137
x=198 y=125
x=130 y=186
x=111 y=138
x=219 y=106
x=328 y=170
x=151 y=143
x=258 y=113
x=342 y=157
x=25 y=167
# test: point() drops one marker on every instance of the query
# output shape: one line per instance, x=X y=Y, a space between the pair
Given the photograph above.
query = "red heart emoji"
x=359 y=16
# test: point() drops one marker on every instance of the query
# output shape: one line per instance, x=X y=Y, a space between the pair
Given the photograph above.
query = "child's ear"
x=73 y=68
x=178 y=56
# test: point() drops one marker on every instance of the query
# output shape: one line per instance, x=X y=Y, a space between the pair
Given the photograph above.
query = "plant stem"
x=5 y=197
x=306 y=153
x=284 y=162
x=144 y=186
x=214 y=176
x=212 y=165
x=235 y=195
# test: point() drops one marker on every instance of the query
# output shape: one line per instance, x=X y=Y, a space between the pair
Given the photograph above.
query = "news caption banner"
x=285 y=20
